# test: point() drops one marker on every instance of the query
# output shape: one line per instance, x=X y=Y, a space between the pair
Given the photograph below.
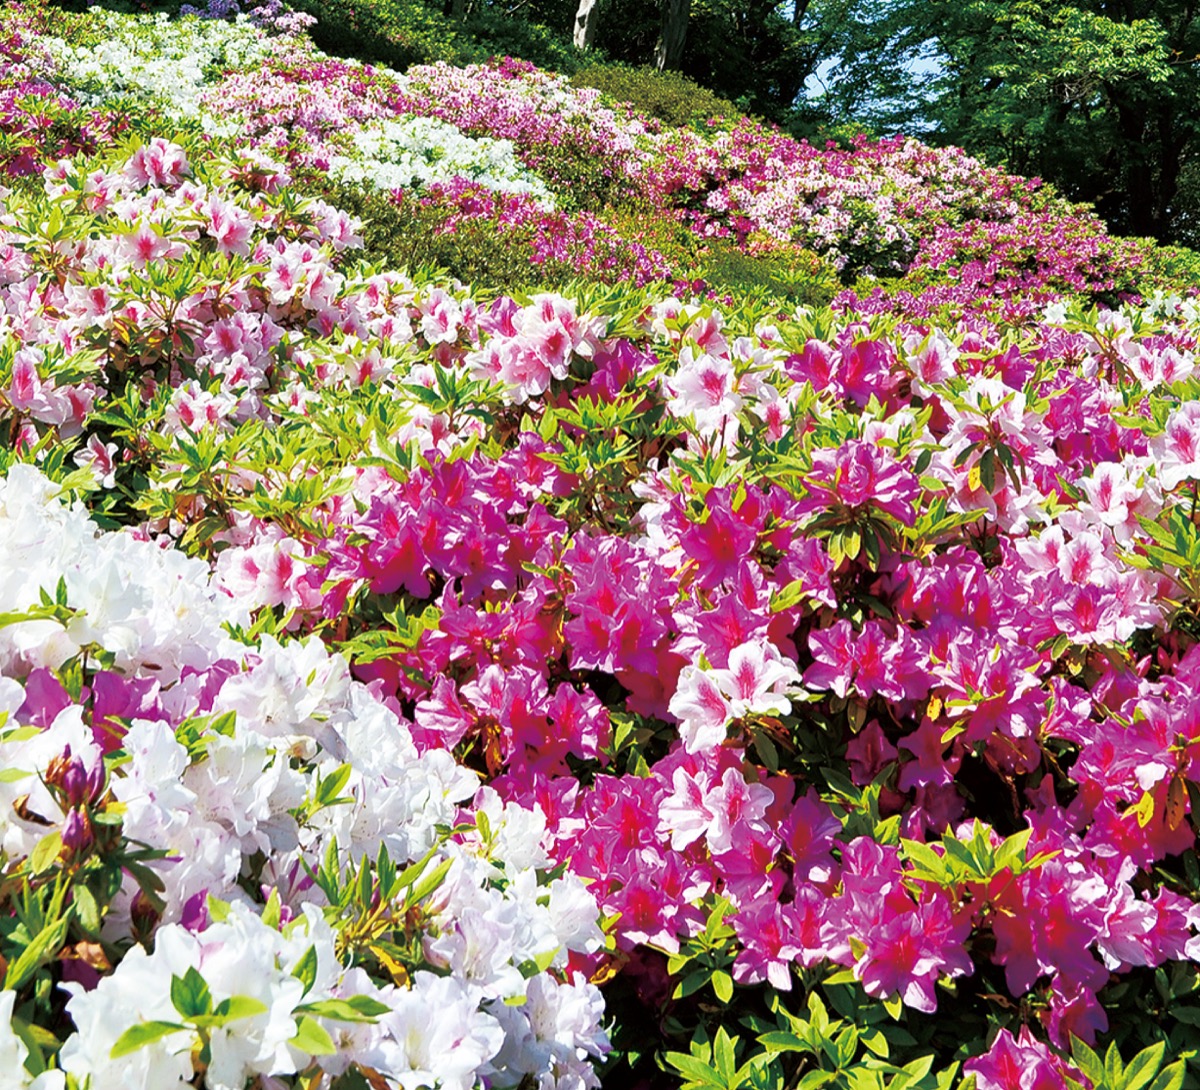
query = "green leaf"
x=1112 y=1066
x=1144 y=1066
x=45 y=854
x=1161 y=535
x=142 y=1034
x=782 y=1041
x=696 y=1071
x=87 y=911
x=272 y=912
x=817 y=1078
x=329 y=789
x=356 y=1008
x=987 y=470
x=692 y=983
x=305 y=970
x=724 y=1055
x=925 y=859
x=35 y=1040
x=791 y=595
x=312 y=1037
x=877 y=1043
x=1170 y=1077
x=190 y=995
x=1087 y=1061
x=42 y=950
x=722 y=984
x=218 y=910
x=234 y=1008
x=429 y=882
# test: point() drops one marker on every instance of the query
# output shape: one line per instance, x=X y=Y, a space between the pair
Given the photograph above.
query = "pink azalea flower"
x=704 y=388
x=159 y=163
x=732 y=802
x=701 y=708
x=683 y=814
x=817 y=363
x=859 y=475
x=1020 y=1063
x=1177 y=450
x=908 y=952
x=768 y=944
x=756 y=679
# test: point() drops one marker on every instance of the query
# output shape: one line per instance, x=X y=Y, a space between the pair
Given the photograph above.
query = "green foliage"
x=1171 y=267
x=497 y=32
x=396 y=33
x=794 y=275
x=1096 y=97
x=705 y=961
x=754 y=53
x=376 y=908
x=799 y=1042
x=672 y=98
x=400 y=33
x=410 y=235
x=1144 y=1071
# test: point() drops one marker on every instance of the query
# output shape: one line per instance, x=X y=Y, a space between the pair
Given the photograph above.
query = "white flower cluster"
x=169 y=61
x=180 y=65
x=416 y=152
x=237 y=803
x=150 y=608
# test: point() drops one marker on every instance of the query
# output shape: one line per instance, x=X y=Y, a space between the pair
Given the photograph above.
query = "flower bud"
x=58 y=767
x=80 y=785
x=77 y=831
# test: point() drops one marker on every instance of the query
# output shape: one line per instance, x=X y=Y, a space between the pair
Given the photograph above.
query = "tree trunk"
x=586 y=18
x=668 y=53
x=1138 y=174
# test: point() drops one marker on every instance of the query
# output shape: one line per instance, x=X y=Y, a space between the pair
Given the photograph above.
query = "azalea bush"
x=566 y=689
x=575 y=175
x=452 y=681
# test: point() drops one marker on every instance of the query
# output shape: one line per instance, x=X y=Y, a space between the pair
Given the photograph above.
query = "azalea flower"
x=859 y=475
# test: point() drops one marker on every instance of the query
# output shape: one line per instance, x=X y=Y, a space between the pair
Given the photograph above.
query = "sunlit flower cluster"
x=409 y=685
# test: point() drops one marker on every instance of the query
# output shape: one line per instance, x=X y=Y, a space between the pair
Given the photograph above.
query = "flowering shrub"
x=314 y=893
x=237 y=80
x=410 y=684
x=579 y=172
x=817 y=687
x=492 y=239
x=418 y=152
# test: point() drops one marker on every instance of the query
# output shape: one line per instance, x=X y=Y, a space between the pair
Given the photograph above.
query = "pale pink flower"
x=705 y=388
x=701 y=708
x=1177 y=449
x=756 y=679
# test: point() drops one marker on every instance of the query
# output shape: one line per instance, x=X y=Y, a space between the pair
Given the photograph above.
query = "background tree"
x=1099 y=96
x=668 y=50
x=758 y=53
x=587 y=19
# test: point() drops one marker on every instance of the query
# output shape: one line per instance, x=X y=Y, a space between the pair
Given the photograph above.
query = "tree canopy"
x=1099 y=97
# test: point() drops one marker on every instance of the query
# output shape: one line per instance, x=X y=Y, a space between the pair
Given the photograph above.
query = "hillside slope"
x=619 y=670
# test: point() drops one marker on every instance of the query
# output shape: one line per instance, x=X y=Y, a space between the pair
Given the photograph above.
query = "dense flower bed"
x=404 y=684
x=414 y=665
x=264 y=824
x=568 y=164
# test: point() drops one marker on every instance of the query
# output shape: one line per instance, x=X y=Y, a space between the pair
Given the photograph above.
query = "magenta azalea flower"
x=1020 y=1063
x=908 y=952
x=859 y=475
